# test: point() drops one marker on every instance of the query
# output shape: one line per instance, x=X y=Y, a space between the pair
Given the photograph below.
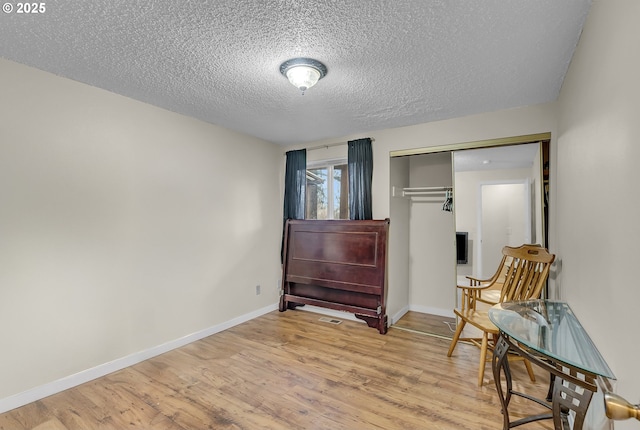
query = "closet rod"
x=428 y=188
x=421 y=191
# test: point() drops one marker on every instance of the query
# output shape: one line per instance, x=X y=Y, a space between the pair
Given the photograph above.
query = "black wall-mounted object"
x=462 y=247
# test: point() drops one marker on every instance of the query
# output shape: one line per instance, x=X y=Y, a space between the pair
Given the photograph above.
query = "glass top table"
x=551 y=329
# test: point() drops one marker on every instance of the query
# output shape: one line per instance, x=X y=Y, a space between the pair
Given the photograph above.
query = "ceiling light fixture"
x=303 y=73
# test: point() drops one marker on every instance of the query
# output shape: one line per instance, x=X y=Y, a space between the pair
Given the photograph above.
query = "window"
x=327 y=190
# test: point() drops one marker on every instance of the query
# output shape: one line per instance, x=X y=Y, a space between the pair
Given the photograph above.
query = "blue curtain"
x=295 y=184
x=360 y=167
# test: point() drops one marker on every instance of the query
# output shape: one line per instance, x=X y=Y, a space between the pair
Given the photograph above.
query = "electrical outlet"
x=257 y=290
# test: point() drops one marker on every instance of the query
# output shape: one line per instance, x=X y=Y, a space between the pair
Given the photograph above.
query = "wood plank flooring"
x=427 y=323
x=290 y=371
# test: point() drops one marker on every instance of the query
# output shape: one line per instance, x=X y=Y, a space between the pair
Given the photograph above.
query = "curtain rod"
x=330 y=145
x=313 y=148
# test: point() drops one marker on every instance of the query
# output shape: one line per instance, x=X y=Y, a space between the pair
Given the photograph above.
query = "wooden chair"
x=491 y=294
x=484 y=290
x=521 y=275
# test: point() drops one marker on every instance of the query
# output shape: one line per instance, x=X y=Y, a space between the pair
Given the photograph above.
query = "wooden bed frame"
x=337 y=264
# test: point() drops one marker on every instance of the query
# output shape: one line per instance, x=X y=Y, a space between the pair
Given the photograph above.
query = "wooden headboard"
x=337 y=264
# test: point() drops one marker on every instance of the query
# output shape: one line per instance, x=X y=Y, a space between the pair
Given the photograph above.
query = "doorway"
x=505 y=219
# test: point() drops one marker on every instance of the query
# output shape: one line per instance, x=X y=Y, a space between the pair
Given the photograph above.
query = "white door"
x=505 y=219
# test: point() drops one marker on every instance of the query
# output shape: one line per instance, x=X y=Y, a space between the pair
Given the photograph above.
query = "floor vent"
x=330 y=320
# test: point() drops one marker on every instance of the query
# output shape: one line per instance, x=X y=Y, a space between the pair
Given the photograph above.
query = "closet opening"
x=491 y=192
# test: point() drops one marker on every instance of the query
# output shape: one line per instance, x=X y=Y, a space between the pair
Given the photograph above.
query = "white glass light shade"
x=303 y=73
x=303 y=77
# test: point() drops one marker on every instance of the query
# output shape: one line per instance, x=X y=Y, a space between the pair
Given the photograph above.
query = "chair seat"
x=479 y=319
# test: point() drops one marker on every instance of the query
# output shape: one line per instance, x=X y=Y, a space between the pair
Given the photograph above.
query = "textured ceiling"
x=390 y=63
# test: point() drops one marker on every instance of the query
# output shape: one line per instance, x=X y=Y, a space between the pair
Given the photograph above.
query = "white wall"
x=122 y=226
x=598 y=205
x=432 y=261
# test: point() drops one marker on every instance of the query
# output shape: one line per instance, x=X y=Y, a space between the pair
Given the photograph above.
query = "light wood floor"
x=427 y=323
x=290 y=371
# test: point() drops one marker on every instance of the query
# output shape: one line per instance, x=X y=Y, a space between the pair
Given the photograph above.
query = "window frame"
x=330 y=166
